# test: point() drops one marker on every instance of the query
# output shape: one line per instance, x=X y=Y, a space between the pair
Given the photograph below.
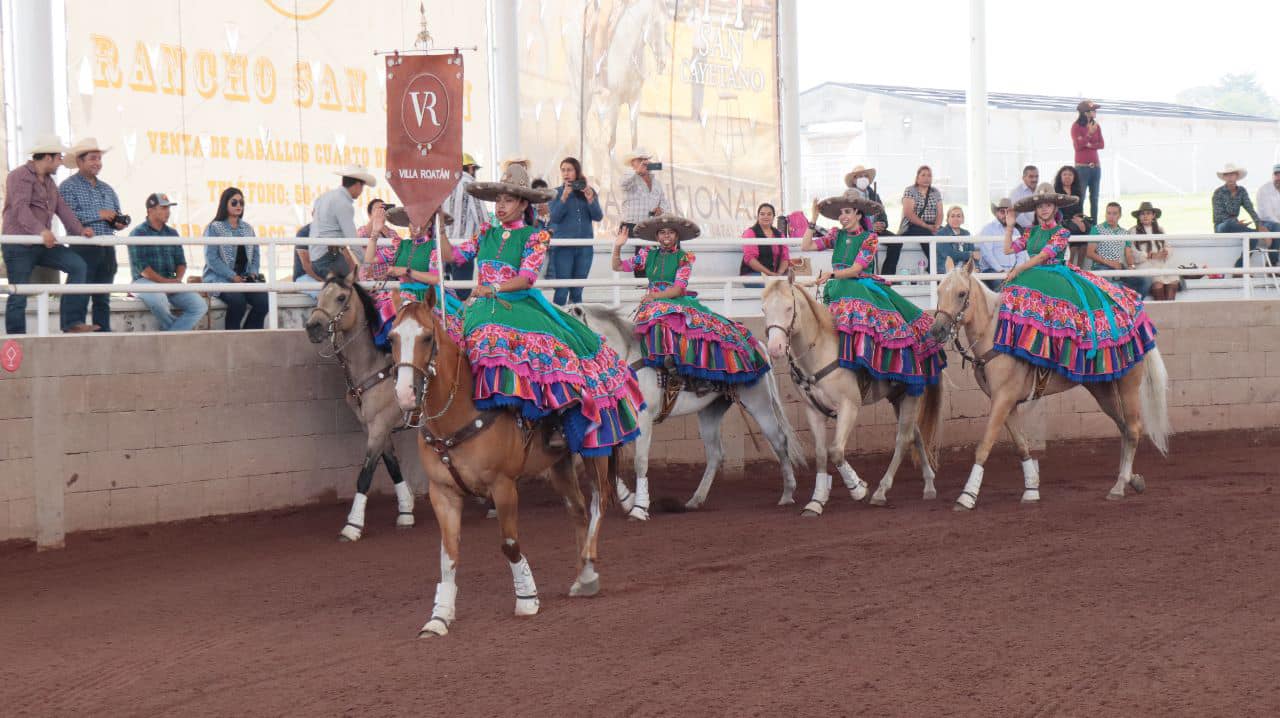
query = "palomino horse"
x=434 y=375
x=761 y=400
x=966 y=303
x=345 y=319
x=803 y=329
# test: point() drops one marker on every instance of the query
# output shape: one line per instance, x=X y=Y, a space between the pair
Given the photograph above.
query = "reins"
x=354 y=390
x=808 y=383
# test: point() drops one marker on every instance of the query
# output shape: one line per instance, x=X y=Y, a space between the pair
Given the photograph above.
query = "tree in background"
x=1233 y=93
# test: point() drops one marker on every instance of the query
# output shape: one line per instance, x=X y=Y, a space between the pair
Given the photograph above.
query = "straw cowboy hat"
x=48 y=144
x=1044 y=193
x=1229 y=168
x=515 y=182
x=522 y=161
x=1086 y=105
x=400 y=217
x=1002 y=203
x=1146 y=207
x=83 y=147
x=648 y=229
x=638 y=153
x=859 y=171
x=358 y=172
x=831 y=206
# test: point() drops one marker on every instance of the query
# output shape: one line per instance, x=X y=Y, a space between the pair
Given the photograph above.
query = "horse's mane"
x=372 y=319
x=819 y=310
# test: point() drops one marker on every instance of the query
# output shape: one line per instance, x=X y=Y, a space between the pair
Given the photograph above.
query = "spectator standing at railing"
x=235 y=263
x=959 y=252
x=1086 y=137
x=1025 y=188
x=1228 y=200
x=642 y=194
x=30 y=200
x=991 y=256
x=468 y=217
x=164 y=264
x=1116 y=253
x=574 y=210
x=1269 y=209
x=97 y=207
x=921 y=217
x=334 y=217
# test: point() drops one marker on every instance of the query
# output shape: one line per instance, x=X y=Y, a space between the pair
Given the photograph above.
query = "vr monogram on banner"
x=424 y=130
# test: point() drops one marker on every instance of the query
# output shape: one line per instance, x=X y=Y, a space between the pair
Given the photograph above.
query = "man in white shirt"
x=642 y=195
x=993 y=258
x=334 y=217
x=1026 y=188
x=1268 y=198
x=468 y=215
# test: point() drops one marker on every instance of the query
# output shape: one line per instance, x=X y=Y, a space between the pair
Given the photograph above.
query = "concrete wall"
x=112 y=431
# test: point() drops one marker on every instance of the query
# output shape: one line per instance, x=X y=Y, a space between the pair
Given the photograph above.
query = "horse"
x=433 y=375
x=345 y=318
x=619 y=58
x=760 y=400
x=1135 y=400
x=794 y=318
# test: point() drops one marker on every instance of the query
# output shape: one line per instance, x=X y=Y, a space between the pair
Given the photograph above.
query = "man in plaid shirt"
x=98 y=208
x=163 y=264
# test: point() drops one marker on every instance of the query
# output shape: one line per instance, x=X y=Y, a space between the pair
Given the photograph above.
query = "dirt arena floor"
x=1165 y=604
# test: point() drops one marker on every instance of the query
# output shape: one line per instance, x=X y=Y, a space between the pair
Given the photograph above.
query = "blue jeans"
x=242 y=304
x=570 y=263
x=22 y=259
x=1233 y=226
x=193 y=308
x=100 y=267
x=1090 y=179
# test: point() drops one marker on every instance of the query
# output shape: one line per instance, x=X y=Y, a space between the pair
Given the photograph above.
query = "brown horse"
x=965 y=303
x=432 y=372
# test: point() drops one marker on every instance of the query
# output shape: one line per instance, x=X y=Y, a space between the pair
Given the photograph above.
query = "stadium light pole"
x=976 y=109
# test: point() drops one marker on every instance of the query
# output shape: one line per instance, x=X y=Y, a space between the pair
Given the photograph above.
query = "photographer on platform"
x=642 y=195
x=574 y=209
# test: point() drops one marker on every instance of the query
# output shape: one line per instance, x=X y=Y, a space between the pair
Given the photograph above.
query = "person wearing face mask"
x=677 y=332
x=528 y=355
x=880 y=331
x=863 y=179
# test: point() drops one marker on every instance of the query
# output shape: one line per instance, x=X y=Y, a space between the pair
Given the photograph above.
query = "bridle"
x=808 y=383
x=953 y=324
x=354 y=390
x=421 y=393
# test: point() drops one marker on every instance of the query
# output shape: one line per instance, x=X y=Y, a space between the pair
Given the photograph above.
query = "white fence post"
x=42 y=314
x=728 y=297
x=1244 y=264
x=933 y=269
x=273 y=298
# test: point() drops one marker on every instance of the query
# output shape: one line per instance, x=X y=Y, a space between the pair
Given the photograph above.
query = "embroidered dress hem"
x=702 y=344
x=906 y=365
x=1070 y=357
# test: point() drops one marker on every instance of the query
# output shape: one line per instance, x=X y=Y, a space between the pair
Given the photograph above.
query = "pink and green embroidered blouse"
x=496 y=255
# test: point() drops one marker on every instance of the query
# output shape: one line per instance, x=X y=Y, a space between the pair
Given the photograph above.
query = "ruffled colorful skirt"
x=383 y=301
x=1074 y=322
x=701 y=343
x=539 y=360
x=884 y=334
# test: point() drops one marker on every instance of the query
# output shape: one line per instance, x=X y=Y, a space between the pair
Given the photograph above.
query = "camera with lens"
x=255 y=278
x=121 y=221
x=578 y=185
x=653 y=166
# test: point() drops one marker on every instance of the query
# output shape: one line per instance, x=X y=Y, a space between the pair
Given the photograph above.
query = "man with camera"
x=642 y=196
x=163 y=264
x=97 y=207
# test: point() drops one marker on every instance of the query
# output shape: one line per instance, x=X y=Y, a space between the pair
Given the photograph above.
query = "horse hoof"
x=527 y=606
x=786 y=501
x=859 y=492
x=693 y=505
x=1115 y=497
x=878 y=501
x=638 y=514
x=1137 y=483
x=585 y=590
x=812 y=509
x=930 y=495
x=404 y=521
x=349 y=534
x=1030 y=497
x=434 y=627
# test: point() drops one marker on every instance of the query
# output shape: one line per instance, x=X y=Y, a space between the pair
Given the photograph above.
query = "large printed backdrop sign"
x=424 y=130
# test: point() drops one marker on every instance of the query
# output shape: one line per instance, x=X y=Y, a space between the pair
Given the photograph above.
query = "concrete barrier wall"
x=113 y=431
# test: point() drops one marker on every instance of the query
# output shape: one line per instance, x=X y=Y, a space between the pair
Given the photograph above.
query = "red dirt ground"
x=1164 y=604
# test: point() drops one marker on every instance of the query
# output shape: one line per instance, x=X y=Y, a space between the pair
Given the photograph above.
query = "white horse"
x=803 y=329
x=761 y=400
x=622 y=64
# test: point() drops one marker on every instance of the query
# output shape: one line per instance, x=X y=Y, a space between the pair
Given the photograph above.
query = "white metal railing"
x=618 y=282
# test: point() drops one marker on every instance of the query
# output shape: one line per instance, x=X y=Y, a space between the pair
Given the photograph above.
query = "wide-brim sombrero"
x=1044 y=193
x=1146 y=207
x=685 y=229
x=400 y=217
x=831 y=206
x=515 y=182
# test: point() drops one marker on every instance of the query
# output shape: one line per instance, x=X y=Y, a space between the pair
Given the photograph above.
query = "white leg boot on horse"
x=355 y=519
x=404 y=505
x=522 y=579
x=821 y=494
x=506 y=499
x=626 y=498
x=1030 y=481
x=1001 y=404
x=845 y=421
x=445 y=608
x=640 y=510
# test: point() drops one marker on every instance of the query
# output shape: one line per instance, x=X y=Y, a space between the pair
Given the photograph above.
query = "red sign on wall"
x=424 y=130
x=11 y=355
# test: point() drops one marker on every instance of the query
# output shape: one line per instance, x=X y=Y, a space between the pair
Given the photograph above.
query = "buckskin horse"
x=345 y=318
x=434 y=375
x=1135 y=400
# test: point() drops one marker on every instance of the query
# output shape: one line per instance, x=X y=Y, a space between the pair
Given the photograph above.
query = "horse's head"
x=956 y=292
x=337 y=309
x=780 y=307
x=414 y=349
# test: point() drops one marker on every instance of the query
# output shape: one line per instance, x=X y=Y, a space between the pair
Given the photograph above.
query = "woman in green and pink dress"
x=413 y=262
x=676 y=331
x=1055 y=315
x=880 y=331
x=527 y=354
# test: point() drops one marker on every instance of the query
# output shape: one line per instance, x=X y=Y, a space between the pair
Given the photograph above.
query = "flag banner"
x=424 y=130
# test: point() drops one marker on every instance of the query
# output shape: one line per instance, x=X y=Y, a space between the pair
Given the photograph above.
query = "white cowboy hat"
x=638 y=153
x=358 y=172
x=83 y=147
x=1229 y=168
x=48 y=144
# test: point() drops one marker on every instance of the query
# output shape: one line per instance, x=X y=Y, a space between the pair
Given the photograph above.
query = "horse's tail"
x=795 y=450
x=1155 y=400
x=930 y=421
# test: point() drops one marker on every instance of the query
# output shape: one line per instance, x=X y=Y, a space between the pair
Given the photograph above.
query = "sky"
x=1112 y=49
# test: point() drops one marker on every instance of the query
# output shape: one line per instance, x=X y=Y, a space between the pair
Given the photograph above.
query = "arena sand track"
x=1165 y=604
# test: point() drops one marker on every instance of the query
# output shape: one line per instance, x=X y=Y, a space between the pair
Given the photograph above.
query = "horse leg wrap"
x=969 y=498
x=821 y=493
x=355 y=519
x=404 y=503
x=640 y=511
x=442 y=613
x=526 y=589
x=1030 y=481
x=626 y=499
x=857 y=487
